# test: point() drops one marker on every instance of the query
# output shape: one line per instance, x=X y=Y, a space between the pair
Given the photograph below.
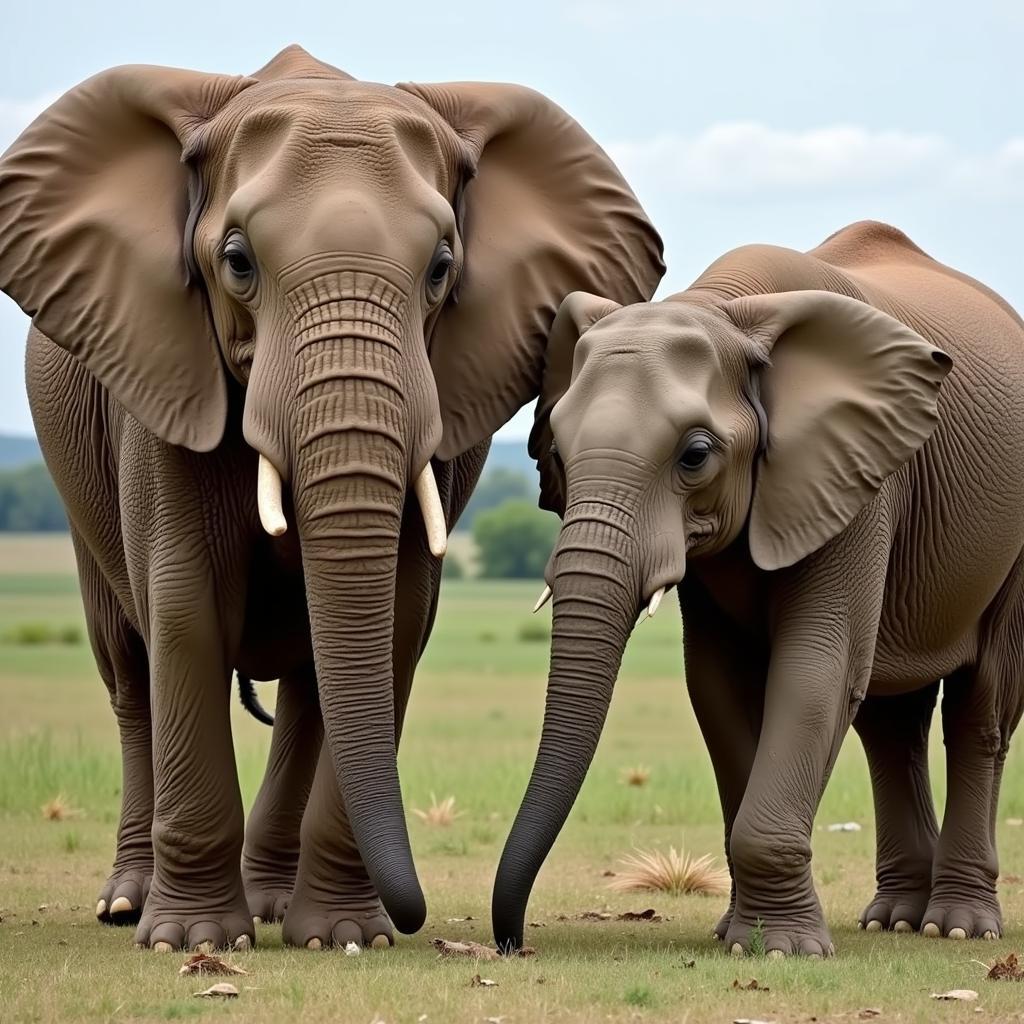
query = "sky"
x=735 y=121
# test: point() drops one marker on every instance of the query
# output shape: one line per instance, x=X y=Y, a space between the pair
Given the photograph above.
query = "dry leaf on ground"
x=868 y=1013
x=451 y=947
x=479 y=982
x=751 y=1020
x=957 y=995
x=222 y=990
x=844 y=826
x=1007 y=969
x=751 y=986
x=640 y=915
x=459 y=920
x=203 y=963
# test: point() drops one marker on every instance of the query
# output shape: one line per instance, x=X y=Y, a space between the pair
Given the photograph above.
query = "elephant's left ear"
x=546 y=213
x=850 y=394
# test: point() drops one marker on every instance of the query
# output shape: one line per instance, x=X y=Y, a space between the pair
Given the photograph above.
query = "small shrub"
x=452 y=568
x=36 y=634
x=676 y=872
x=440 y=815
x=58 y=809
x=72 y=841
x=70 y=635
x=639 y=775
x=534 y=632
x=639 y=995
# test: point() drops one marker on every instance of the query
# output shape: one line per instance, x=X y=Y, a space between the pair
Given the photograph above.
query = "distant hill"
x=511 y=455
x=18 y=451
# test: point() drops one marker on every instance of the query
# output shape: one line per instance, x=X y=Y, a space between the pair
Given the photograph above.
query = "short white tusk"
x=655 y=601
x=545 y=596
x=433 y=514
x=268 y=497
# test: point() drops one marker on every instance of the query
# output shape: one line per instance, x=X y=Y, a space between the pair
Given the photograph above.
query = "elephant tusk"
x=268 y=498
x=545 y=596
x=433 y=514
x=655 y=601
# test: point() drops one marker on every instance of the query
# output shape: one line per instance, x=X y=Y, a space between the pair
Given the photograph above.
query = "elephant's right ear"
x=93 y=205
x=546 y=213
x=576 y=315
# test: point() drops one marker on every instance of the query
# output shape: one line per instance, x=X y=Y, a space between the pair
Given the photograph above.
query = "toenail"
x=902 y=926
x=101 y=908
x=813 y=956
x=874 y=926
x=988 y=936
x=121 y=905
x=257 y=920
x=931 y=930
x=831 y=949
x=314 y=944
x=737 y=949
x=206 y=946
x=775 y=954
x=162 y=947
x=380 y=942
x=957 y=933
x=242 y=943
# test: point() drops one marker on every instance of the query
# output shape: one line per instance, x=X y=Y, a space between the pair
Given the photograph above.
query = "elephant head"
x=670 y=431
x=376 y=268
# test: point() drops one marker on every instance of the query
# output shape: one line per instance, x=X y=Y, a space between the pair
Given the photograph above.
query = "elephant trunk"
x=350 y=474
x=594 y=608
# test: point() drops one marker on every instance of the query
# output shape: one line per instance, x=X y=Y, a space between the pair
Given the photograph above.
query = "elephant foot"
x=268 y=885
x=180 y=923
x=962 y=916
x=314 y=924
x=774 y=936
x=896 y=909
x=123 y=895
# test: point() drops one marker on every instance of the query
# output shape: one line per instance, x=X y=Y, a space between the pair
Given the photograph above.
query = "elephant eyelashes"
x=697 y=452
x=440 y=268
x=239 y=264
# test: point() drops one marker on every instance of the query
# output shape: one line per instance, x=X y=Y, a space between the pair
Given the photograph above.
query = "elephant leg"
x=725 y=681
x=270 y=856
x=894 y=732
x=122 y=663
x=196 y=898
x=963 y=901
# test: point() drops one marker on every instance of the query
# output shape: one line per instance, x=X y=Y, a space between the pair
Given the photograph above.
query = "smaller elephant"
x=825 y=452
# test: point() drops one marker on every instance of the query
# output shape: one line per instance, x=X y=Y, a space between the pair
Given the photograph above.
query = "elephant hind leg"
x=122 y=662
x=894 y=732
x=270 y=855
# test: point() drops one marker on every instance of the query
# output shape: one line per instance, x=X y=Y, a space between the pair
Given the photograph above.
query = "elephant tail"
x=251 y=703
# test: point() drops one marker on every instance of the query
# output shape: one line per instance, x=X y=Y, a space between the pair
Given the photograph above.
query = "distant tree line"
x=29 y=502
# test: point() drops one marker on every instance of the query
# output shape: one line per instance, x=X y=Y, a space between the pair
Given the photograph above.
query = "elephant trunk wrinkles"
x=350 y=478
x=594 y=608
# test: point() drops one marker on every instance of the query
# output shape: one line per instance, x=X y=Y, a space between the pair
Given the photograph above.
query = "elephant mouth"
x=269 y=490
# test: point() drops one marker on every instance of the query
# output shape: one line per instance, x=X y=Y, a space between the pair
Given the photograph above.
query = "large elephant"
x=844 y=523
x=276 y=299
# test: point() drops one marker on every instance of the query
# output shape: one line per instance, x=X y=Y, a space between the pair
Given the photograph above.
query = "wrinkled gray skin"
x=844 y=524
x=289 y=277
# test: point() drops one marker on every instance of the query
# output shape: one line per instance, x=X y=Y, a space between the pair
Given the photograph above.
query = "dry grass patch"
x=676 y=872
x=58 y=809
x=439 y=815
x=638 y=775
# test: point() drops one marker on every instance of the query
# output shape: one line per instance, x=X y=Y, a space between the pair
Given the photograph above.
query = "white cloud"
x=749 y=159
x=16 y=115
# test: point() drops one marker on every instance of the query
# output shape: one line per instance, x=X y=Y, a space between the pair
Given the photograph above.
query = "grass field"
x=471 y=734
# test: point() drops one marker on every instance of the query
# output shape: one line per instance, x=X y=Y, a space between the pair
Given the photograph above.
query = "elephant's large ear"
x=546 y=213
x=849 y=394
x=576 y=315
x=93 y=205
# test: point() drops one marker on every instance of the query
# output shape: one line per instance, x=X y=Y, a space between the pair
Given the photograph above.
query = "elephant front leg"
x=196 y=897
x=334 y=902
x=894 y=731
x=822 y=650
x=270 y=856
x=725 y=681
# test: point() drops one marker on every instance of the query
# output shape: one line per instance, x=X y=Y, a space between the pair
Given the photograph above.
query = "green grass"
x=471 y=733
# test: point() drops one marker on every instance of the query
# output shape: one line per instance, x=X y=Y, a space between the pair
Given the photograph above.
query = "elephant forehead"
x=307 y=128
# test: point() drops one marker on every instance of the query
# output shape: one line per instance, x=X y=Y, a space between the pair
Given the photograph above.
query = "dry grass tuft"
x=439 y=815
x=676 y=872
x=58 y=809
x=638 y=775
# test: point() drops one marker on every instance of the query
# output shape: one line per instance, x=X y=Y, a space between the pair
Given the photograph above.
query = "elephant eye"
x=440 y=268
x=237 y=258
x=697 y=452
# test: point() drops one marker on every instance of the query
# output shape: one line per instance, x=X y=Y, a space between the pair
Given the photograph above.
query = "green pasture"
x=471 y=733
